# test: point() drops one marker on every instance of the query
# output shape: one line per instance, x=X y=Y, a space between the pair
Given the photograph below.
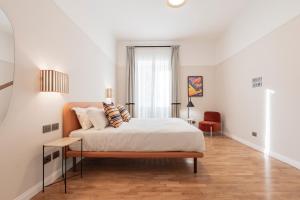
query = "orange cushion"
x=207 y=125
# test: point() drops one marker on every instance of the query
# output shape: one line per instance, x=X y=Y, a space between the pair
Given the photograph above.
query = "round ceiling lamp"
x=176 y=3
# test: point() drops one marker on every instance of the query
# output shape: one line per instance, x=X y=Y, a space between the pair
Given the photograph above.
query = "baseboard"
x=245 y=142
x=31 y=192
x=274 y=155
x=285 y=159
x=38 y=187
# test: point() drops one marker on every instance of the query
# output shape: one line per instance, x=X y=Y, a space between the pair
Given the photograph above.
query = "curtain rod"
x=150 y=46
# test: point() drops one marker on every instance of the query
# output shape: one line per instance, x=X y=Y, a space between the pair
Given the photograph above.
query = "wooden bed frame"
x=71 y=123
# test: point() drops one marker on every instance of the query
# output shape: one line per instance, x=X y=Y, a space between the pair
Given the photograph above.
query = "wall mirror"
x=7 y=64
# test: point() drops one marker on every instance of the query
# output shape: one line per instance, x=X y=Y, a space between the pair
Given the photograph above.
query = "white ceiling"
x=153 y=19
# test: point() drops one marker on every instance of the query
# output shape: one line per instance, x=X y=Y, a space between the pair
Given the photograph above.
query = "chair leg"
x=222 y=128
x=195 y=166
x=211 y=131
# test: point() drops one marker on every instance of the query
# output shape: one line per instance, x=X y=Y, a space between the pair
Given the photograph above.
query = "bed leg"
x=195 y=166
x=74 y=164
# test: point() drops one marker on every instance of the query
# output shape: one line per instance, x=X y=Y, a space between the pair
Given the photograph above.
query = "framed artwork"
x=195 y=86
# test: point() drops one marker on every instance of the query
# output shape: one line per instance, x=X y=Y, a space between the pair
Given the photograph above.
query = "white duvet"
x=143 y=135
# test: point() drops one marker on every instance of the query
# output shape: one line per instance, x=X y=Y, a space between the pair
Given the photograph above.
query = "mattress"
x=139 y=135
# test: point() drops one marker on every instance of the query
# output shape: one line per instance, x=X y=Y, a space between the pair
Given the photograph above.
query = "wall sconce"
x=108 y=95
x=54 y=81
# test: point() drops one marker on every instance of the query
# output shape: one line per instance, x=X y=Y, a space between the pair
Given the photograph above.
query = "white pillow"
x=98 y=118
x=83 y=118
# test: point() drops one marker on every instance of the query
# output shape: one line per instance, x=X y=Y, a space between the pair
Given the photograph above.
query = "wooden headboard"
x=70 y=121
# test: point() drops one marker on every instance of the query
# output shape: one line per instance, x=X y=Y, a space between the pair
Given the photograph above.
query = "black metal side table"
x=62 y=143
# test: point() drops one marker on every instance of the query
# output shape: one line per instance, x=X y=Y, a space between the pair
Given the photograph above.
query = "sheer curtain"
x=153 y=82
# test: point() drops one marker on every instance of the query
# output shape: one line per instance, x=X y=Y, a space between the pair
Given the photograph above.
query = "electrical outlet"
x=47 y=128
x=55 y=126
x=55 y=155
x=254 y=134
x=47 y=159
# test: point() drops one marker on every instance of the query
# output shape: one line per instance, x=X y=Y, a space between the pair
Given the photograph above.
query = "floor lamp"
x=190 y=105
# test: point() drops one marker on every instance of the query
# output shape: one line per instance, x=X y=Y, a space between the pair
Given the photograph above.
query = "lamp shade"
x=190 y=104
x=108 y=93
x=54 y=81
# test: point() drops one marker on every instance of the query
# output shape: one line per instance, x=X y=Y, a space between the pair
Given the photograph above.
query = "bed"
x=153 y=138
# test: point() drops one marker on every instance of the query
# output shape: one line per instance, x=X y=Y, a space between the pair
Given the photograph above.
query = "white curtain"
x=153 y=82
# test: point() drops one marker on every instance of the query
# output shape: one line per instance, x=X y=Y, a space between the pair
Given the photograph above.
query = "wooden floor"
x=229 y=171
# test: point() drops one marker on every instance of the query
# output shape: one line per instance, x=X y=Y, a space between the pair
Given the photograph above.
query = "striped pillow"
x=124 y=113
x=113 y=115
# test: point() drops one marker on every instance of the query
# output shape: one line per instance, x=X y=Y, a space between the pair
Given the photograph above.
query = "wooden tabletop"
x=62 y=142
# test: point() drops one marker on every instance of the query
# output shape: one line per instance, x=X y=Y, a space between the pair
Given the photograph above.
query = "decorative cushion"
x=207 y=126
x=98 y=118
x=113 y=115
x=82 y=117
x=124 y=113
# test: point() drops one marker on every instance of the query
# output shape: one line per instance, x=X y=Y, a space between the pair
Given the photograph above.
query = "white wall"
x=275 y=58
x=45 y=38
x=81 y=14
x=202 y=104
x=197 y=57
x=257 y=20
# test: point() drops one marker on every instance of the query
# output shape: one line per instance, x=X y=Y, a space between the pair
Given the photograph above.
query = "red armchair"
x=212 y=122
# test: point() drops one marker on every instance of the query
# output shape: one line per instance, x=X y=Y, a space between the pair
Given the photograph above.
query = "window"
x=153 y=82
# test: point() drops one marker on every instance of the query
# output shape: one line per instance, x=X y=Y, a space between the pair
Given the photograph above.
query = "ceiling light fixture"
x=176 y=3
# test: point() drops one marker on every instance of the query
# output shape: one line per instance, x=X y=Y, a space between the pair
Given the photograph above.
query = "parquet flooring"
x=229 y=171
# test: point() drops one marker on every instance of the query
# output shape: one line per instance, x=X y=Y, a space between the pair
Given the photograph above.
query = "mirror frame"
x=12 y=82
